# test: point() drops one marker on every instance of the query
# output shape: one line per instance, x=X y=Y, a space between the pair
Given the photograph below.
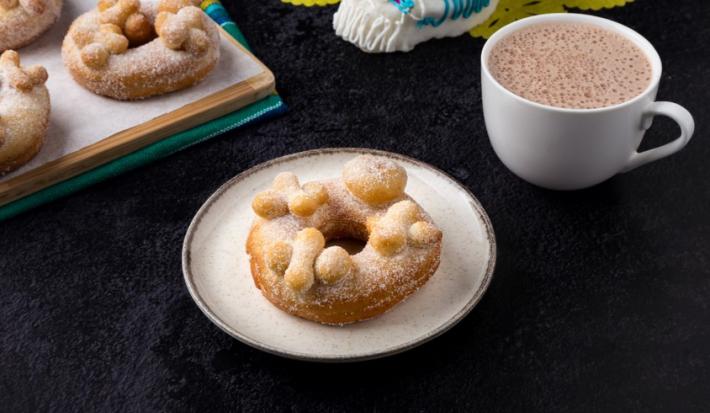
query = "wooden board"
x=127 y=141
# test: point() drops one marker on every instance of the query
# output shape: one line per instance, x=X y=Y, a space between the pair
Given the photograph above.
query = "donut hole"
x=351 y=245
x=138 y=42
x=350 y=235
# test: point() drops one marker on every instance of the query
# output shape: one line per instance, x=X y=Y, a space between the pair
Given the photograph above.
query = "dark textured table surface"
x=600 y=300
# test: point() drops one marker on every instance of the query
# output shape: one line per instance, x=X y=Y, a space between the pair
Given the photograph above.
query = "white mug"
x=565 y=149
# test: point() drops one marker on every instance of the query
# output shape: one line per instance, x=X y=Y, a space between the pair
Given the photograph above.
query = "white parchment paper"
x=79 y=118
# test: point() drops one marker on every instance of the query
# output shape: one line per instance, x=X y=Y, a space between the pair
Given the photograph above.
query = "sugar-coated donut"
x=23 y=21
x=298 y=274
x=24 y=111
x=128 y=49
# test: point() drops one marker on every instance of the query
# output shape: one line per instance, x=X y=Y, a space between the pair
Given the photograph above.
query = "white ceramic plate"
x=217 y=273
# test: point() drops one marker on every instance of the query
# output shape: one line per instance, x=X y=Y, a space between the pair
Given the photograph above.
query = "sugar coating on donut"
x=8 y=4
x=374 y=180
x=402 y=225
x=183 y=30
x=286 y=195
x=34 y=7
x=117 y=11
x=173 y=6
x=23 y=21
x=305 y=260
x=346 y=287
x=18 y=78
x=333 y=264
x=122 y=25
x=97 y=46
x=308 y=244
x=24 y=111
x=270 y=204
x=126 y=16
x=278 y=257
x=388 y=235
x=422 y=234
x=371 y=179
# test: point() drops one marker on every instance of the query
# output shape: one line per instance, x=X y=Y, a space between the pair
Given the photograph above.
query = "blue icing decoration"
x=453 y=9
x=403 y=5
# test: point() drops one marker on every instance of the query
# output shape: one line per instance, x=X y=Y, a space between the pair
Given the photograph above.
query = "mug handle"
x=674 y=111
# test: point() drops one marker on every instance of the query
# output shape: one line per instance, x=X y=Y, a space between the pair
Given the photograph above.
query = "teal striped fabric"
x=220 y=15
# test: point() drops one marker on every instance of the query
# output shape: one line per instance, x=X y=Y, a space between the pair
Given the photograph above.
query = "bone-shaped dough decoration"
x=183 y=30
x=402 y=221
x=278 y=256
x=97 y=47
x=307 y=257
x=286 y=195
x=378 y=26
x=300 y=274
x=121 y=24
x=179 y=25
x=126 y=15
x=117 y=11
x=18 y=78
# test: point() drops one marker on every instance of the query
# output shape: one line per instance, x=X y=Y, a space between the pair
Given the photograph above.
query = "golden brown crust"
x=34 y=144
x=153 y=68
x=375 y=284
x=347 y=311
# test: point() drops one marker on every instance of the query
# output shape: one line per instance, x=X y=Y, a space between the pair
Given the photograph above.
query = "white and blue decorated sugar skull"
x=379 y=26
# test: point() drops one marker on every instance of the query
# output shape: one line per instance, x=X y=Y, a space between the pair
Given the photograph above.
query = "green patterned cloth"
x=266 y=108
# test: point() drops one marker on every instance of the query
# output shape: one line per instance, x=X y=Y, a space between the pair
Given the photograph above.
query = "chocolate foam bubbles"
x=570 y=65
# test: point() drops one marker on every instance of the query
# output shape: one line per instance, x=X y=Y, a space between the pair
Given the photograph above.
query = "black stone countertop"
x=600 y=300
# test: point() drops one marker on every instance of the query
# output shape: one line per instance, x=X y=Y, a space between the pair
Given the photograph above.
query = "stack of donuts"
x=123 y=49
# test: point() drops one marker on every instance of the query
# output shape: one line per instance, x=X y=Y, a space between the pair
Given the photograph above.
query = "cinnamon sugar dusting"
x=21 y=22
x=330 y=285
x=97 y=49
x=24 y=111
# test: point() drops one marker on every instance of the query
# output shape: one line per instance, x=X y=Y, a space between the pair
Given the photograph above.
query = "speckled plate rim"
x=204 y=307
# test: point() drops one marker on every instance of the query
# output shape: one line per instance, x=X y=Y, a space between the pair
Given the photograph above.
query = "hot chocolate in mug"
x=561 y=148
